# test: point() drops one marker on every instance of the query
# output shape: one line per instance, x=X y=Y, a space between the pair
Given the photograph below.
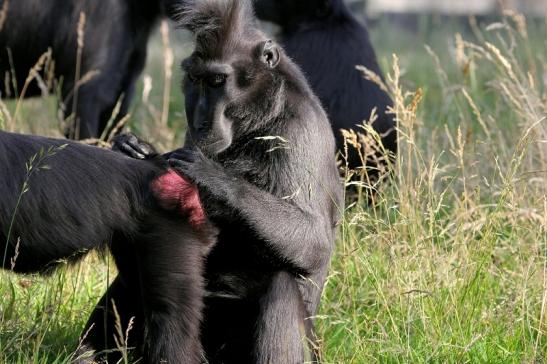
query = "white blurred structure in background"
x=454 y=7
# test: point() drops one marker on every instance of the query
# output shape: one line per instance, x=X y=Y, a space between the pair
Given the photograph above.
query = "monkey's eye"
x=217 y=80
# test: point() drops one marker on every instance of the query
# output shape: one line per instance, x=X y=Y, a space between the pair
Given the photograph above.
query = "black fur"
x=327 y=42
x=78 y=198
x=261 y=151
x=115 y=40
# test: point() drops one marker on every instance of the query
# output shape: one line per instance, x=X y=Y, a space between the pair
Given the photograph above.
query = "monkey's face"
x=207 y=89
x=224 y=94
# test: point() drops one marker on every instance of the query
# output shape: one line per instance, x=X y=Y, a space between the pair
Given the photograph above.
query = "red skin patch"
x=174 y=192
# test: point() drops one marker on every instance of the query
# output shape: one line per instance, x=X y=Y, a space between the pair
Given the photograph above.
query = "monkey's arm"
x=299 y=234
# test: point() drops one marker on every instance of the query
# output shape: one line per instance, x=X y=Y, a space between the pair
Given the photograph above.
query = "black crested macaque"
x=327 y=42
x=113 y=53
x=72 y=198
x=262 y=154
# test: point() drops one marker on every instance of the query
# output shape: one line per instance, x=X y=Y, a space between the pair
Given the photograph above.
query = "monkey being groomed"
x=60 y=199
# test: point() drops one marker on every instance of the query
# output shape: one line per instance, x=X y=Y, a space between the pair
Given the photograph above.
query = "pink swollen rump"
x=174 y=192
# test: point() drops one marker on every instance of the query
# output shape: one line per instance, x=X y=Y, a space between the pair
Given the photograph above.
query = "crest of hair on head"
x=217 y=24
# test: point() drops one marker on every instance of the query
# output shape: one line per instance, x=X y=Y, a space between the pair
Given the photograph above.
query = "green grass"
x=450 y=263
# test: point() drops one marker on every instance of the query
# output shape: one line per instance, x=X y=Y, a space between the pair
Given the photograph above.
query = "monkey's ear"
x=270 y=54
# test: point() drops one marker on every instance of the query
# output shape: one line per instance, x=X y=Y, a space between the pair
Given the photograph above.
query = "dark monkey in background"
x=327 y=42
x=113 y=52
x=261 y=151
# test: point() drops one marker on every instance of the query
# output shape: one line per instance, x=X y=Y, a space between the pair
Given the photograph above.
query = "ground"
x=449 y=262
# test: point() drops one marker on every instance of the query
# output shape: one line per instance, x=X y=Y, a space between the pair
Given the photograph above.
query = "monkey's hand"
x=132 y=146
x=196 y=167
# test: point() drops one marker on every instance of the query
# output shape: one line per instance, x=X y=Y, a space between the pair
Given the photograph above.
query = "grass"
x=449 y=265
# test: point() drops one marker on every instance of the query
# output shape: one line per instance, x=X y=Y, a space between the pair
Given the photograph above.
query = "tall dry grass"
x=449 y=264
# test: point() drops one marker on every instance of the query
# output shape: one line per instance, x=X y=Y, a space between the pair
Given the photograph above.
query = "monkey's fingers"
x=130 y=151
x=130 y=145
